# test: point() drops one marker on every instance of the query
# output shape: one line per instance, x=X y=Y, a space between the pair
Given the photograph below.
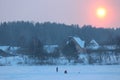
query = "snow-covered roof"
x=93 y=45
x=94 y=42
x=50 y=48
x=4 y=48
x=14 y=48
x=79 y=41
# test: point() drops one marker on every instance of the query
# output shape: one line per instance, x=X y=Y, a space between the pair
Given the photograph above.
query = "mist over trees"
x=21 y=33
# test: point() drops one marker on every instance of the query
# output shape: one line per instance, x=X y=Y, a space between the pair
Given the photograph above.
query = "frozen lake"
x=77 y=72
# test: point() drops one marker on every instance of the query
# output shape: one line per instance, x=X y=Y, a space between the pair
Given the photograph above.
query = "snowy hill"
x=9 y=56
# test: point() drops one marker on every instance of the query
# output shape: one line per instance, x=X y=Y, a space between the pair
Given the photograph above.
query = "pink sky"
x=62 y=11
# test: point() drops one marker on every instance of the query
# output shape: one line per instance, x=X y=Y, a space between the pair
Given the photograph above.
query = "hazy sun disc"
x=101 y=12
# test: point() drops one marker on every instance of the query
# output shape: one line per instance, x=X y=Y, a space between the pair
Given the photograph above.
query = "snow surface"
x=12 y=60
x=77 y=72
x=79 y=41
x=110 y=47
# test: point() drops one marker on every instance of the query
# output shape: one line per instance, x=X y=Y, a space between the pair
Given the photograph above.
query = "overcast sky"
x=62 y=11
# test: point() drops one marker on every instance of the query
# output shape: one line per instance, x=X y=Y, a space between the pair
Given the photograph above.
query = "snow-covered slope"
x=12 y=60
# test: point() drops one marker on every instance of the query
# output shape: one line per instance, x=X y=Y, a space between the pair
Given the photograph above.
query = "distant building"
x=4 y=54
x=50 y=48
x=79 y=44
x=4 y=48
x=9 y=49
x=93 y=45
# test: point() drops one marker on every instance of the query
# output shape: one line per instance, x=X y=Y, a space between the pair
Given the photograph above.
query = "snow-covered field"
x=76 y=72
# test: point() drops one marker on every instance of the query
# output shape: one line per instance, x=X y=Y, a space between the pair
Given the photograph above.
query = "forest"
x=21 y=33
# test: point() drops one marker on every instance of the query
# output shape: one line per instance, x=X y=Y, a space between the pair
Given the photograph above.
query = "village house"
x=79 y=44
x=9 y=49
x=93 y=45
x=50 y=48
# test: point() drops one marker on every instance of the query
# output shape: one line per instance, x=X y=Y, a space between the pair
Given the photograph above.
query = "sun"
x=101 y=12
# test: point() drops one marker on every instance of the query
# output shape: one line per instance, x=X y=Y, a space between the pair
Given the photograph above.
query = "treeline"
x=21 y=33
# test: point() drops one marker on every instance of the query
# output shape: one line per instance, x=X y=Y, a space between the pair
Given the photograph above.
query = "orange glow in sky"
x=101 y=15
x=98 y=13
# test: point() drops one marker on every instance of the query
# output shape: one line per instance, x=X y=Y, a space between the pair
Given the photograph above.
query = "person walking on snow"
x=56 y=69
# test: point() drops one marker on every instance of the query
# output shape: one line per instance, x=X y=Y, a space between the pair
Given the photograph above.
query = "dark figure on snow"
x=56 y=69
x=65 y=71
